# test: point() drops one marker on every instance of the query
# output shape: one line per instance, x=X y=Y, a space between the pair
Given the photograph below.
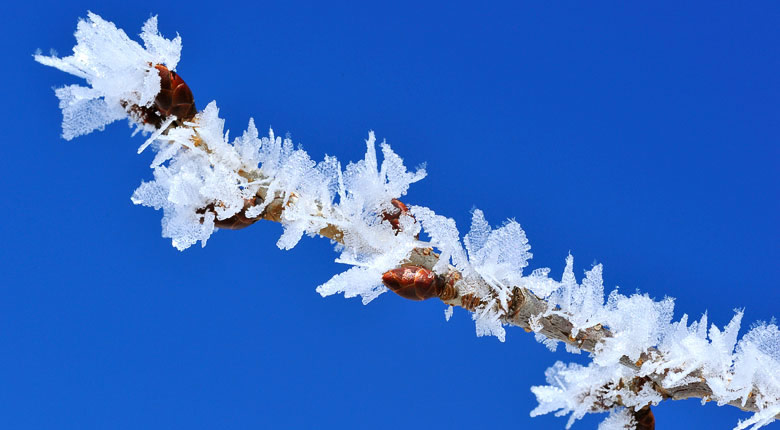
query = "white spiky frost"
x=197 y=167
x=686 y=354
x=365 y=190
x=579 y=303
x=734 y=370
x=491 y=265
x=188 y=178
x=578 y=390
x=635 y=322
x=497 y=256
x=116 y=68
x=618 y=419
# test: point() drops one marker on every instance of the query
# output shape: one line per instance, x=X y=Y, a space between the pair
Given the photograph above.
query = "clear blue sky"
x=644 y=138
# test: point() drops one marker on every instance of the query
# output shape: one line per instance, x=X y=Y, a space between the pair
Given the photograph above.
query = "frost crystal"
x=635 y=322
x=116 y=68
x=618 y=419
x=497 y=256
x=448 y=313
x=578 y=390
x=686 y=354
x=444 y=236
x=580 y=303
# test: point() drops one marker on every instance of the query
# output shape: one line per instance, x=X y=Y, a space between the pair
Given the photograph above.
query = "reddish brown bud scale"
x=394 y=217
x=412 y=282
x=174 y=98
x=400 y=205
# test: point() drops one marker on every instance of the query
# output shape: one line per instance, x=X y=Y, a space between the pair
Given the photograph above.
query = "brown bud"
x=174 y=98
x=412 y=282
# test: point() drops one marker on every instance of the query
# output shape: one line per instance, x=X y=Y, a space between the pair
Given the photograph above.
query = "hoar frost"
x=117 y=70
x=197 y=166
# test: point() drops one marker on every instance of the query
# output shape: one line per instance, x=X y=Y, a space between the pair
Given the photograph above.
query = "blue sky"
x=641 y=137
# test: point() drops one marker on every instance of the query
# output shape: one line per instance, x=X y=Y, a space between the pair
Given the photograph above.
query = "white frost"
x=618 y=419
x=115 y=67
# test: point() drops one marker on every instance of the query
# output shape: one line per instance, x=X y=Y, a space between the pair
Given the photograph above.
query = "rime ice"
x=201 y=177
x=116 y=68
x=620 y=419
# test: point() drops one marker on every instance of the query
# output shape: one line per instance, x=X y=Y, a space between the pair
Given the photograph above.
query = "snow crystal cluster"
x=678 y=355
x=491 y=264
x=202 y=177
x=618 y=419
x=222 y=175
x=117 y=70
x=735 y=371
x=579 y=390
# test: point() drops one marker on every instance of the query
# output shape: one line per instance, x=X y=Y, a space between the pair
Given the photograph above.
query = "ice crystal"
x=579 y=303
x=618 y=419
x=578 y=390
x=735 y=371
x=117 y=69
x=445 y=236
x=497 y=256
x=635 y=322
x=448 y=313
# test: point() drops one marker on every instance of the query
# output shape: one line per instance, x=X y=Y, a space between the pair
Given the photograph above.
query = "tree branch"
x=224 y=185
x=525 y=309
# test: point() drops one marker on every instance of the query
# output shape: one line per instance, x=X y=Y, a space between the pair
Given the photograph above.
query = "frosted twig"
x=203 y=181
